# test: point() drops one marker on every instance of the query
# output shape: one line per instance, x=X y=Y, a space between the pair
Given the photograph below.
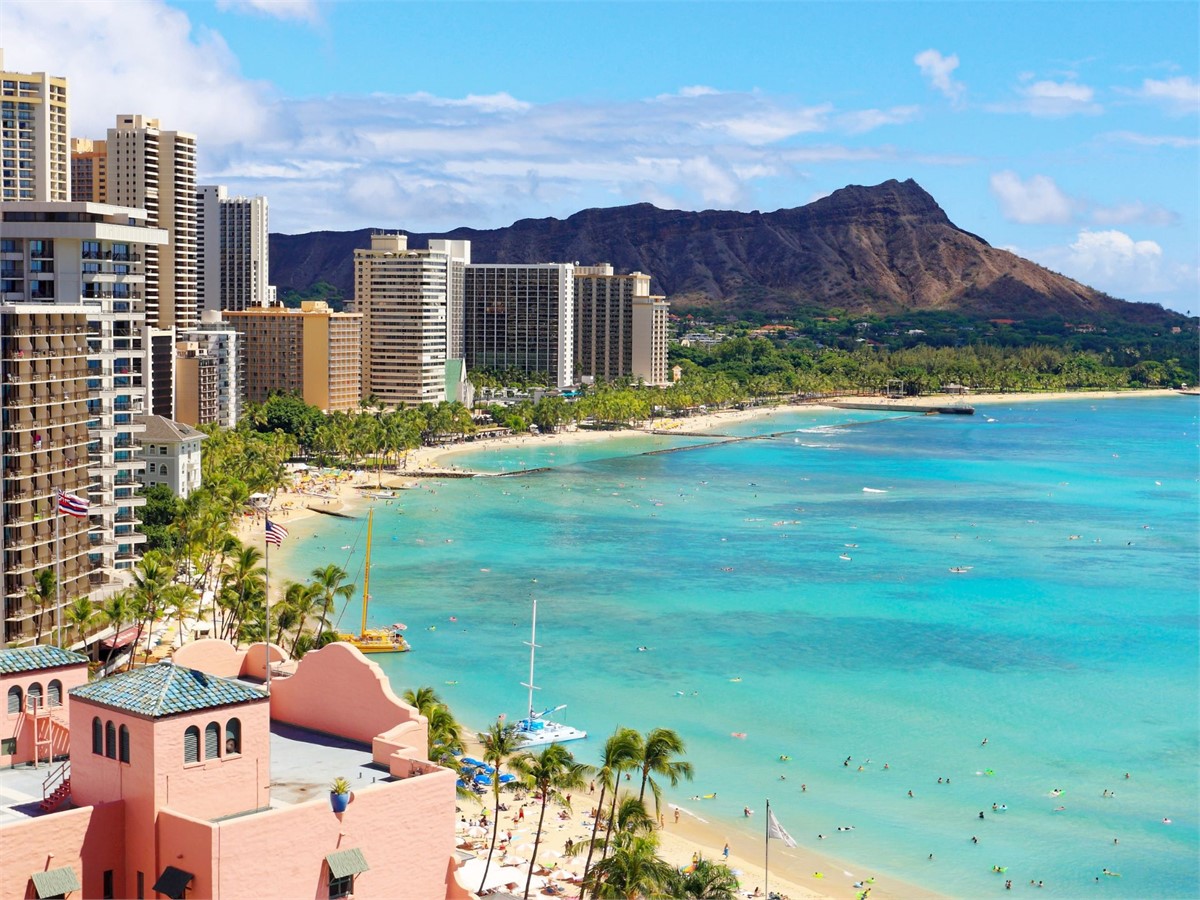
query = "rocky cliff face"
x=884 y=249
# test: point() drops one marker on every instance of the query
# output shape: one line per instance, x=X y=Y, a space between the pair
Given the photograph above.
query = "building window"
x=123 y=752
x=8 y=746
x=14 y=699
x=97 y=736
x=55 y=691
x=233 y=736
x=33 y=700
x=212 y=740
x=191 y=744
x=110 y=740
x=340 y=887
x=109 y=893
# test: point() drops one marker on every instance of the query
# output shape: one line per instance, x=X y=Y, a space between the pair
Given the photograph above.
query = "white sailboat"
x=535 y=729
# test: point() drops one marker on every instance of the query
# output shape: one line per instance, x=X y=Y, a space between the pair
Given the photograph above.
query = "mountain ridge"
x=884 y=249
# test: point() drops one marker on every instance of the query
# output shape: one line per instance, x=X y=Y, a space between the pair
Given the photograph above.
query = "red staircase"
x=55 y=799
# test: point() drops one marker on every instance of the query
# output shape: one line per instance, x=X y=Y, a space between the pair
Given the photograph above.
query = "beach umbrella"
x=471 y=761
x=506 y=778
x=482 y=779
x=460 y=783
x=476 y=831
x=491 y=770
x=511 y=859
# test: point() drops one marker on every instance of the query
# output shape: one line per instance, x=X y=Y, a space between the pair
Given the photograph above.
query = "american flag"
x=72 y=505
x=275 y=533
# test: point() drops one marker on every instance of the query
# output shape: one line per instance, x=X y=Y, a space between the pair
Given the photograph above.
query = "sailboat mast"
x=532 y=649
x=367 y=573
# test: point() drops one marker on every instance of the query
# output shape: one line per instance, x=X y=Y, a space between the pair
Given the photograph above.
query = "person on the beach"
x=677 y=816
x=726 y=851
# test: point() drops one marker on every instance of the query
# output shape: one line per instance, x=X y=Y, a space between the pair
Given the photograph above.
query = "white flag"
x=775 y=830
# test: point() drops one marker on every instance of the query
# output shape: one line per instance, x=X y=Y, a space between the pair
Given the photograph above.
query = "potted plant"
x=339 y=794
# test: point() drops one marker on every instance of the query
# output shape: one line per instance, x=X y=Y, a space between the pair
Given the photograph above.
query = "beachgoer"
x=676 y=815
x=939 y=781
x=910 y=794
x=974 y=839
x=981 y=814
x=886 y=766
x=521 y=814
x=983 y=743
x=726 y=851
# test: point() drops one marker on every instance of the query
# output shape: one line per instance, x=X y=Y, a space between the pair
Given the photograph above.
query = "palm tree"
x=246 y=579
x=550 y=772
x=620 y=754
x=706 y=880
x=633 y=870
x=445 y=734
x=180 y=602
x=80 y=613
x=500 y=742
x=327 y=587
x=150 y=578
x=115 y=611
x=661 y=745
x=300 y=598
x=41 y=595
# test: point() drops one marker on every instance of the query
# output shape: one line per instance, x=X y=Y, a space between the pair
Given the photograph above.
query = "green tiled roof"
x=166 y=689
x=30 y=659
x=346 y=862
x=56 y=882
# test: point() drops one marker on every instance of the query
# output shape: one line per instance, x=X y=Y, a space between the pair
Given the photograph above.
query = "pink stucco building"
x=187 y=779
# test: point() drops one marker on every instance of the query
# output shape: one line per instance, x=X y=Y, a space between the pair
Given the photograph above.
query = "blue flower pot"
x=339 y=802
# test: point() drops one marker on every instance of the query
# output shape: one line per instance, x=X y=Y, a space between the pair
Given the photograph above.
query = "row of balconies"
x=110 y=255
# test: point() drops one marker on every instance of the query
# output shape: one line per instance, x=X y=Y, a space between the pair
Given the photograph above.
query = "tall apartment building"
x=521 y=317
x=89 y=170
x=231 y=246
x=154 y=169
x=411 y=303
x=34 y=152
x=312 y=351
x=209 y=366
x=71 y=349
x=621 y=330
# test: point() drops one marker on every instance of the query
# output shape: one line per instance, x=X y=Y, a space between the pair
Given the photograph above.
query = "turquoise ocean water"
x=1070 y=643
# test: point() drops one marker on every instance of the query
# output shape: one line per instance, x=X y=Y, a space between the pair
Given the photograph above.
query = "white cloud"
x=1180 y=95
x=304 y=10
x=1053 y=99
x=1035 y=201
x=1105 y=257
x=863 y=120
x=501 y=102
x=767 y=126
x=1177 y=142
x=1134 y=212
x=695 y=90
x=938 y=70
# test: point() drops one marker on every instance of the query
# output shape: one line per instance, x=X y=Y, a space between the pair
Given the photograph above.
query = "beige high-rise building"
x=232 y=249
x=71 y=353
x=209 y=362
x=621 y=329
x=34 y=149
x=312 y=351
x=521 y=317
x=412 y=307
x=89 y=170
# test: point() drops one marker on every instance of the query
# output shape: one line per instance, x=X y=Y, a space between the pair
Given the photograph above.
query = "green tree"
x=80 y=614
x=659 y=750
x=114 y=612
x=159 y=516
x=328 y=586
x=633 y=869
x=40 y=595
x=552 y=773
x=621 y=753
x=500 y=742
x=706 y=880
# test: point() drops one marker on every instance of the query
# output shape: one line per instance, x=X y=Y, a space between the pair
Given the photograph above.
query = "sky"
x=1066 y=132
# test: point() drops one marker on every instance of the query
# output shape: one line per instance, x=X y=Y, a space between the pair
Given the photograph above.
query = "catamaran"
x=374 y=640
x=535 y=729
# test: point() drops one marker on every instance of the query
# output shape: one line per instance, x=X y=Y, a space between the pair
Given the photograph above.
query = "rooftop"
x=303 y=763
x=166 y=689
x=30 y=659
x=164 y=431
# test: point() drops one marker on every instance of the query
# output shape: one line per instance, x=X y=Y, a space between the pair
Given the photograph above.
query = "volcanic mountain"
x=885 y=249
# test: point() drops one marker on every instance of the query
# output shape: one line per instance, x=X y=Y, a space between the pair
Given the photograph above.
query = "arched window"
x=33 y=700
x=123 y=744
x=97 y=736
x=110 y=740
x=55 y=691
x=212 y=740
x=14 y=699
x=191 y=744
x=233 y=736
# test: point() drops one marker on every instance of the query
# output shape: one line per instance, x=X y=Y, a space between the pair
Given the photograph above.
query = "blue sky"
x=1067 y=132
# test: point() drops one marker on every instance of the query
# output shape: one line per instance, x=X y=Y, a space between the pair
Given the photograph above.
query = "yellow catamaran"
x=374 y=640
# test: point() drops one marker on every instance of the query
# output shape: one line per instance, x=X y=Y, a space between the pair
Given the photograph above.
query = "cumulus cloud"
x=304 y=10
x=864 y=120
x=1180 y=95
x=1053 y=99
x=1036 y=200
x=1174 y=141
x=938 y=71
x=1123 y=266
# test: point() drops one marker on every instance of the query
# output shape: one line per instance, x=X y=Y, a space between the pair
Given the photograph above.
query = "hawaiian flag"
x=275 y=533
x=72 y=505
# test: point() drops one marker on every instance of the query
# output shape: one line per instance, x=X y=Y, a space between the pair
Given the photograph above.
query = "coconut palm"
x=705 y=880
x=150 y=578
x=633 y=870
x=243 y=580
x=620 y=754
x=114 y=612
x=551 y=773
x=179 y=602
x=327 y=587
x=41 y=594
x=500 y=742
x=445 y=734
x=658 y=752
x=81 y=614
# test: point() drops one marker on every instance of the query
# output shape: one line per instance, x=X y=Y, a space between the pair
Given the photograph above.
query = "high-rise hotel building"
x=231 y=245
x=34 y=148
x=312 y=351
x=412 y=307
x=521 y=317
x=89 y=170
x=621 y=330
x=71 y=379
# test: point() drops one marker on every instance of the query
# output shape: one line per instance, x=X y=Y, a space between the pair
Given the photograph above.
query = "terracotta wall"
x=405 y=830
x=87 y=839
x=20 y=725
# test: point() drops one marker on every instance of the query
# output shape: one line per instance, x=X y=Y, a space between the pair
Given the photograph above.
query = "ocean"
x=798 y=589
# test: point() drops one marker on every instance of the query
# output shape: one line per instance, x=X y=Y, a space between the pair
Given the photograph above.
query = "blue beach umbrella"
x=471 y=761
x=505 y=779
x=491 y=770
x=460 y=783
x=483 y=779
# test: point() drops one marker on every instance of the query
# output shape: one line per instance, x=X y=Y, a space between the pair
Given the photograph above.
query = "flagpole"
x=767 y=853
x=267 y=597
x=57 y=574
